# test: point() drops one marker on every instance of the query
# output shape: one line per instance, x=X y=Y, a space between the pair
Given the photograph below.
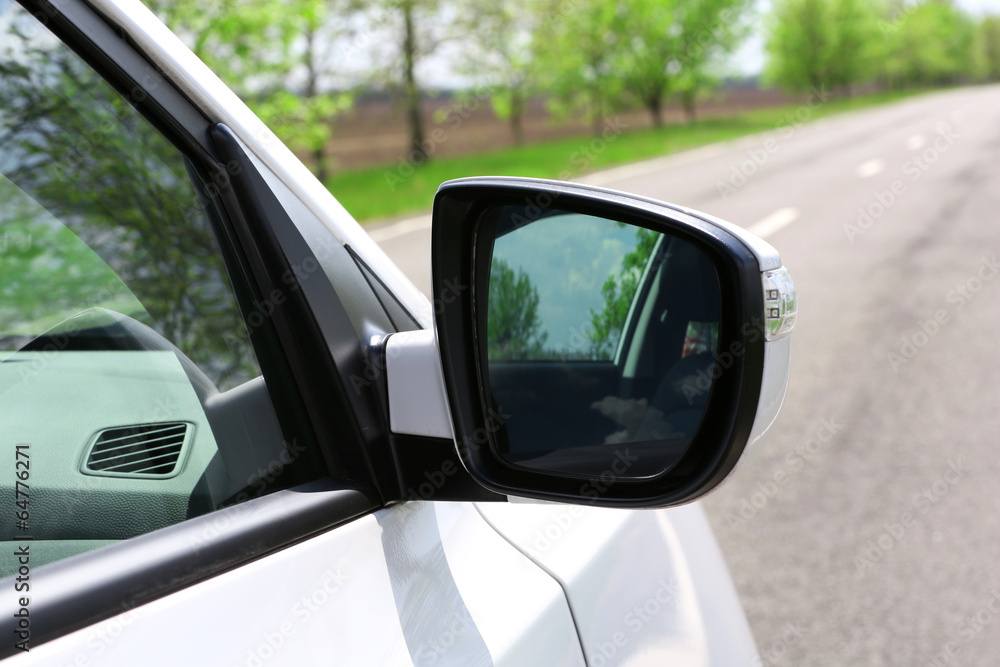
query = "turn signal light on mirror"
x=781 y=305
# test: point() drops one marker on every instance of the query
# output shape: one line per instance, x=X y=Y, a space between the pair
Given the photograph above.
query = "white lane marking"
x=774 y=222
x=916 y=142
x=870 y=168
x=401 y=228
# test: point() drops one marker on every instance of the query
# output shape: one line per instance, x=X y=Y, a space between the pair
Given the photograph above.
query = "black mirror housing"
x=548 y=420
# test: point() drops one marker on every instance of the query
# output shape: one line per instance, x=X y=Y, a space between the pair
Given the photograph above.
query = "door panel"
x=517 y=610
x=419 y=584
x=645 y=587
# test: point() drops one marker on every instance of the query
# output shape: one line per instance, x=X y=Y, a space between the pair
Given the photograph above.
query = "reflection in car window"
x=126 y=370
x=91 y=191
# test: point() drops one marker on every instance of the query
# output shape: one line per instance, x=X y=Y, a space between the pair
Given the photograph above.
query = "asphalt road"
x=867 y=530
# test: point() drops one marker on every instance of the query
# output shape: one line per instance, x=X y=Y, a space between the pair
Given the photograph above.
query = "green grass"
x=368 y=193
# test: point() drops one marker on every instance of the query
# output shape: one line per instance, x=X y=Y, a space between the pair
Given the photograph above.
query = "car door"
x=193 y=408
x=188 y=475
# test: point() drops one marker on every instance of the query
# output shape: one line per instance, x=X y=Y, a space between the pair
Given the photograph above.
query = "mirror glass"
x=601 y=343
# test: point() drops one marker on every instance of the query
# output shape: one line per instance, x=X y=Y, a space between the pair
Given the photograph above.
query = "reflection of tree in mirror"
x=618 y=292
x=90 y=172
x=513 y=328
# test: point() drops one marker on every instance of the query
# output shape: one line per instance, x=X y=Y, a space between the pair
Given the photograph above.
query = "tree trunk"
x=418 y=153
x=816 y=82
x=517 y=116
x=688 y=102
x=597 y=109
x=312 y=90
x=320 y=164
x=655 y=106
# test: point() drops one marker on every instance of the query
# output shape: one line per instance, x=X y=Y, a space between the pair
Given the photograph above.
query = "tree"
x=304 y=119
x=647 y=49
x=989 y=40
x=814 y=44
x=800 y=44
x=513 y=328
x=577 y=48
x=411 y=52
x=932 y=44
x=619 y=291
x=708 y=30
x=856 y=32
x=499 y=52
x=247 y=43
x=278 y=56
x=414 y=29
x=651 y=62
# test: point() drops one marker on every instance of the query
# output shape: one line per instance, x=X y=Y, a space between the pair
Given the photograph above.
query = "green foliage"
x=600 y=56
x=800 y=44
x=48 y=274
x=989 y=43
x=248 y=43
x=839 y=43
x=577 y=47
x=302 y=122
x=97 y=210
x=931 y=43
x=708 y=30
x=513 y=328
x=500 y=54
x=259 y=46
x=619 y=292
x=652 y=61
x=817 y=44
x=856 y=42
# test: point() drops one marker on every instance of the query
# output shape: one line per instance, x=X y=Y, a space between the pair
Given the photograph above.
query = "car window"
x=130 y=395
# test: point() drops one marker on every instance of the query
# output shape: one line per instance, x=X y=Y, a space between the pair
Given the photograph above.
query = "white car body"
x=422 y=582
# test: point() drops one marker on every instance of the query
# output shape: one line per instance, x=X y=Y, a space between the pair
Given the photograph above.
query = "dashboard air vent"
x=142 y=451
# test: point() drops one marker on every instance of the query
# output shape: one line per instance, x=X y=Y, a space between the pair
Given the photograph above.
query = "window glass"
x=126 y=374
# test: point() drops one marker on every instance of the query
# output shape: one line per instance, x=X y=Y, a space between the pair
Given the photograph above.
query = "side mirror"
x=609 y=350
